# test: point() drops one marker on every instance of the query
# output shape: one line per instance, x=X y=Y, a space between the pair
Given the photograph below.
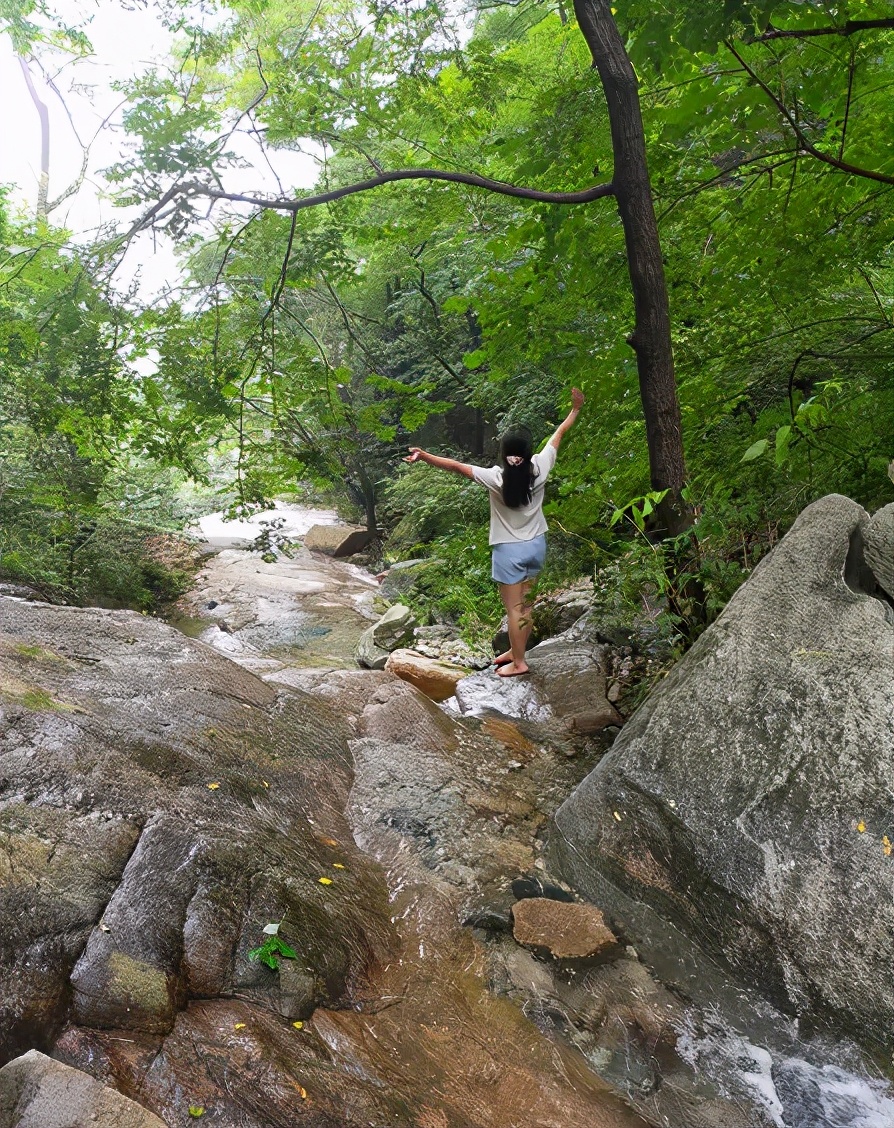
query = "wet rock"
x=749 y=800
x=37 y=1092
x=521 y=698
x=336 y=540
x=396 y=711
x=393 y=630
x=553 y=613
x=437 y=680
x=154 y=802
x=534 y=886
x=566 y=931
x=347 y=692
x=878 y=540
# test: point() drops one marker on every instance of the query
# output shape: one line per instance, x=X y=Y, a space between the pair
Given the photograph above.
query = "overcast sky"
x=125 y=42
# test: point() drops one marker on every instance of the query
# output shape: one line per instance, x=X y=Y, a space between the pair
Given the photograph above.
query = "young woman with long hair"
x=517 y=525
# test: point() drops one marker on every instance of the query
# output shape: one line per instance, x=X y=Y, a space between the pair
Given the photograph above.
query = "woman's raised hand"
x=577 y=399
x=414 y=455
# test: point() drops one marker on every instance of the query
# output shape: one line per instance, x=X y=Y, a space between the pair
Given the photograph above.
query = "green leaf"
x=754 y=451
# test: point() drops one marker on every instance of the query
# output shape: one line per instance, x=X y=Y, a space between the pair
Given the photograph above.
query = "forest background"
x=302 y=350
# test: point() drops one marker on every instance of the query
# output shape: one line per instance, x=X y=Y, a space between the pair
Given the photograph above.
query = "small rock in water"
x=566 y=931
x=532 y=886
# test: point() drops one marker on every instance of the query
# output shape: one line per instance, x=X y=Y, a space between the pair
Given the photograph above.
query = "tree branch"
x=849 y=27
x=194 y=189
x=807 y=146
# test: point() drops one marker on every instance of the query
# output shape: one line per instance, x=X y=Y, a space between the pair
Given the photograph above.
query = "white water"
x=297 y=519
x=794 y=1092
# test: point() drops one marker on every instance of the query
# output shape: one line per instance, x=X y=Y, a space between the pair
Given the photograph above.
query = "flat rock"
x=336 y=540
x=437 y=680
x=38 y=1092
x=568 y=931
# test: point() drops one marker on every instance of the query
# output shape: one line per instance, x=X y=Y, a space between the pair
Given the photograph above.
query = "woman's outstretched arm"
x=418 y=455
x=577 y=402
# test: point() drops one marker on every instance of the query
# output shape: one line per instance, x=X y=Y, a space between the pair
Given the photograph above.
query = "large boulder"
x=37 y=1092
x=879 y=537
x=749 y=801
x=336 y=540
x=394 y=629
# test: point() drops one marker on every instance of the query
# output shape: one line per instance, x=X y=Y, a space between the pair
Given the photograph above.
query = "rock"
x=878 y=539
x=154 y=818
x=396 y=711
x=394 y=629
x=749 y=800
x=407 y=576
x=37 y=1092
x=566 y=931
x=336 y=540
x=485 y=693
x=437 y=680
x=533 y=886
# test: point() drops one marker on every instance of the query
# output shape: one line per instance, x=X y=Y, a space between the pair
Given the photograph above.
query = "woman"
x=517 y=524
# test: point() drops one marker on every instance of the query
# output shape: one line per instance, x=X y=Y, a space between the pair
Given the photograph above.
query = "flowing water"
x=680 y=1044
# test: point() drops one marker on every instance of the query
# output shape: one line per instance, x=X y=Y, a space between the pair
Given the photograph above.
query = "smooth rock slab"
x=567 y=931
x=38 y=1092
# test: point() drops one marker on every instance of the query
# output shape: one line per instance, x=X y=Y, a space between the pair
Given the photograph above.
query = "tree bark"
x=651 y=337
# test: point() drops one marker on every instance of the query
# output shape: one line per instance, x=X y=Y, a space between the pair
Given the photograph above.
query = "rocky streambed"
x=164 y=801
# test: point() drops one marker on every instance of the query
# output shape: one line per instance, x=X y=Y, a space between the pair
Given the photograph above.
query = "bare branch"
x=805 y=144
x=196 y=189
x=850 y=27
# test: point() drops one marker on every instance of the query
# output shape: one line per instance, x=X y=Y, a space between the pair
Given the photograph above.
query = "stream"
x=473 y=1026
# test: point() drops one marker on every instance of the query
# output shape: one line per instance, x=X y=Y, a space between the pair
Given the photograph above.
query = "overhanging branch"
x=849 y=27
x=196 y=189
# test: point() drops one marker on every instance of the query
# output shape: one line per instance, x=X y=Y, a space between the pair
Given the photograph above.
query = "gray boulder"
x=879 y=538
x=393 y=630
x=37 y=1092
x=336 y=540
x=749 y=801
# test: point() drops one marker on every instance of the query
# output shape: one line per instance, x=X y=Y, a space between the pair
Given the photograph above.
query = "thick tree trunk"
x=651 y=338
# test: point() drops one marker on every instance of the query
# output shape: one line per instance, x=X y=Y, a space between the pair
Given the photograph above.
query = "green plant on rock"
x=273 y=949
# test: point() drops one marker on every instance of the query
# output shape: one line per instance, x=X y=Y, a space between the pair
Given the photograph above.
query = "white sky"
x=125 y=42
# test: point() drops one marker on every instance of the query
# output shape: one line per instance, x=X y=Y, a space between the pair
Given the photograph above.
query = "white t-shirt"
x=526 y=522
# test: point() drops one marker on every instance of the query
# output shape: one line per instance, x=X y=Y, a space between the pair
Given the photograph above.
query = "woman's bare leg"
x=518 y=613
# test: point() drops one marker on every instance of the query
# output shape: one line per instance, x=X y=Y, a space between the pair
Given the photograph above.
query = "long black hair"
x=518 y=479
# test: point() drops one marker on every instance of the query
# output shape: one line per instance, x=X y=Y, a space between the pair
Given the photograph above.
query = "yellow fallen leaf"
x=325 y=880
x=239 y=1026
x=617 y=815
x=861 y=826
x=302 y=1092
x=337 y=865
x=265 y=783
x=213 y=786
x=298 y=1025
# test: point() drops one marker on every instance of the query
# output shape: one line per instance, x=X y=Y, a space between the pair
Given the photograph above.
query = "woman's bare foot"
x=512 y=670
x=502 y=659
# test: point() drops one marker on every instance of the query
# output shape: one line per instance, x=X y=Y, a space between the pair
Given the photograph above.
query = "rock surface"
x=37 y=1092
x=393 y=630
x=437 y=680
x=749 y=801
x=879 y=546
x=568 y=931
x=336 y=540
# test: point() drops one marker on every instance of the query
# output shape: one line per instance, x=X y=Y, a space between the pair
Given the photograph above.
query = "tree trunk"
x=43 y=188
x=651 y=338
